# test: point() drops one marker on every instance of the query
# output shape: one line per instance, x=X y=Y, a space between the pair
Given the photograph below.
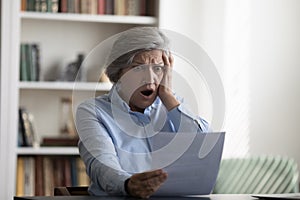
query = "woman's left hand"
x=165 y=88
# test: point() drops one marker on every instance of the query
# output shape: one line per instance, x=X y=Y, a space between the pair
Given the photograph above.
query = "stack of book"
x=29 y=62
x=38 y=175
x=96 y=7
x=40 y=5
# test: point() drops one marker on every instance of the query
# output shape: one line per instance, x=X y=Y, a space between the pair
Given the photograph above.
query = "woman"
x=115 y=129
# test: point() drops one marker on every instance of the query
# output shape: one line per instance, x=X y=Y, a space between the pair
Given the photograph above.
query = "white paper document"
x=191 y=160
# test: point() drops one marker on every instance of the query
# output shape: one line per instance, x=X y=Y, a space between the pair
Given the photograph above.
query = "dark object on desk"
x=211 y=197
x=66 y=198
x=257 y=175
x=278 y=196
x=71 y=191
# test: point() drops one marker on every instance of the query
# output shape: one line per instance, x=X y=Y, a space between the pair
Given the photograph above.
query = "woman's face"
x=140 y=81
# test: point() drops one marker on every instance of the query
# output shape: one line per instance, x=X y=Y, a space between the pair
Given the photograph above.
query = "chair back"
x=257 y=175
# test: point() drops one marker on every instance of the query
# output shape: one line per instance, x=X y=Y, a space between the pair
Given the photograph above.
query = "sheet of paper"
x=194 y=172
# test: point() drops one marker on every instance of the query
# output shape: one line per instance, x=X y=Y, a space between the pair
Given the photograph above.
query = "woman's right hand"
x=143 y=185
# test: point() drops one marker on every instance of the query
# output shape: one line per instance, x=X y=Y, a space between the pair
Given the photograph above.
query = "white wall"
x=189 y=18
x=272 y=57
x=201 y=20
x=275 y=77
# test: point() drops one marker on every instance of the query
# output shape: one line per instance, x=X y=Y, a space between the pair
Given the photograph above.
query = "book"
x=67 y=181
x=58 y=170
x=23 y=64
x=37 y=5
x=49 y=6
x=30 y=5
x=27 y=129
x=77 y=6
x=26 y=136
x=35 y=138
x=73 y=171
x=21 y=136
x=150 y=8
x=89 y=7
x=119 y=7
x=29 y=62
x=143 y=7
x=59 y=141
x=63 y=8
x=36 y=61
x=20 y=177
x=133 y=7
x=101 y=7
x=48 y=176
x=54 y=6
x=27 y=180
x=109 y=7
x=33 y=65
x=43 y=6
x=39 y=177
x=71 y=6
x=93 y=9
x=23 y=5
x=29 y=176
x=82 y=177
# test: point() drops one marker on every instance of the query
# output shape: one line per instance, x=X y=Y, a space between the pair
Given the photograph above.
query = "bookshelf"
x=105 y=86
x=142 y=20
x=47 y=151
x=61 y=37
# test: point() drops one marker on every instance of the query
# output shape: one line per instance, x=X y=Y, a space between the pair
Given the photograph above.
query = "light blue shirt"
x=114 y=141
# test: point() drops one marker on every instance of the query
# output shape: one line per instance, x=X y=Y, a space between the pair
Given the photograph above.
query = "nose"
x=149 y=76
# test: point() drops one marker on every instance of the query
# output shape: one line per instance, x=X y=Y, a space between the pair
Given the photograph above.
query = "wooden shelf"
x=118 y=19
x=84 y=86
x=47 y=151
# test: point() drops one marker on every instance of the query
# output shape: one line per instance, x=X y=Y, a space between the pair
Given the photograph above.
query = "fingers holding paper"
x=144 y=184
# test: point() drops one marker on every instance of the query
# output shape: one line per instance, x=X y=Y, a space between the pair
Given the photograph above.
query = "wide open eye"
x=158 y=69
x=138 y=68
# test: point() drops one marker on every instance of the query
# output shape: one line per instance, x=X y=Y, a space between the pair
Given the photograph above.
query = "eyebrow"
x=141 y=63
x=134 y=62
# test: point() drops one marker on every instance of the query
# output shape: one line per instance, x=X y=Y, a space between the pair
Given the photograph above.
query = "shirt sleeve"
x=97 y=150
x=183 y=120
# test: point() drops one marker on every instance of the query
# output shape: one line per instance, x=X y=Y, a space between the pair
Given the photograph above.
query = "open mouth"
x=147 y=92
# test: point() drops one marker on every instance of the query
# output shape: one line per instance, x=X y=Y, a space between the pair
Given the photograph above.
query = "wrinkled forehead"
x=146 y=57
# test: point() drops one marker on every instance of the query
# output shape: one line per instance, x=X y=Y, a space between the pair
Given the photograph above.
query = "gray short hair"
x=131 y=42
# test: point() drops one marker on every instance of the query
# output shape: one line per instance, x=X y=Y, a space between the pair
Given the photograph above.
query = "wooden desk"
x=206 y=197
